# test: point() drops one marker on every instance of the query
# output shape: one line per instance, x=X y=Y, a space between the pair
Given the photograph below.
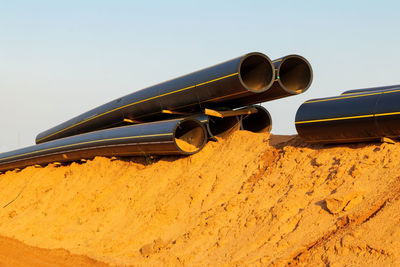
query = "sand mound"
x=247 y=199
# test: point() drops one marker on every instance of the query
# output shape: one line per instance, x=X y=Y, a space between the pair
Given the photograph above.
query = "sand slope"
x=247 y=199
x=16 y=254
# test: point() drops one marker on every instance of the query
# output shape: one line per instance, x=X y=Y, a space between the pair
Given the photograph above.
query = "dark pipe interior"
x=219 y=126
x=257 y=122
x=256 y=73
x=295 y=74
x=190 y=136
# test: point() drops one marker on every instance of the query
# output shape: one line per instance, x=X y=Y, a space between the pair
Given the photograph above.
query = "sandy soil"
x=248 y=199
x=14 y=253
x=185 y=146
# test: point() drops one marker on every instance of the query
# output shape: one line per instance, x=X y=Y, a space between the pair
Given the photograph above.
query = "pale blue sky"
x=61 y=58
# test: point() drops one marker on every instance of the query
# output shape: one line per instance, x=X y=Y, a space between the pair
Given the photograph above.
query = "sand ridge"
x=250 y=198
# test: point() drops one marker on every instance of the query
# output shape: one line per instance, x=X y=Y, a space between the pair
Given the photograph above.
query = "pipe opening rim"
x=190 y=136
x=219 y=127
x=257 y=122
x=295 y=74
x=256 y=72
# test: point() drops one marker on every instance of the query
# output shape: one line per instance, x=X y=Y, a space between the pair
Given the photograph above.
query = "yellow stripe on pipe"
x=387 y=92
x=338 y=98
x=217 y=79
x=360 y=92
x=335 y=119
x=355 y=93
x=387 y=114
x=212 y=99
x=352 y=117
x=141 y=101
x=220 y=97
x=82 y=143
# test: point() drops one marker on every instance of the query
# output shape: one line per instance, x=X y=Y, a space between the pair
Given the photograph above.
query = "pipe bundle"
x=175 y=117
x=354 y=116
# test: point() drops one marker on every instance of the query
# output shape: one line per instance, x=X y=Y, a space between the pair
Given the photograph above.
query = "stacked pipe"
x=174 y=117
x=355 y=116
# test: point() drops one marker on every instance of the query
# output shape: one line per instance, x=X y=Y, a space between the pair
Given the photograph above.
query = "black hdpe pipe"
x=260 y=121
x=211 y=87
x=257 y=122
x=350 y=118
x=372 y=89
x=293 y=76
x=218 y=127
x=172 y=137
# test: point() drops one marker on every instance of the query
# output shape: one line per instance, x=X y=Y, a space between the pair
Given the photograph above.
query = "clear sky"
x=61 y=58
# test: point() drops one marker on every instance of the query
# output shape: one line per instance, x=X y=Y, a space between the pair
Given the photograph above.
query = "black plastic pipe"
x=218 y=127
x=172 y=137
x=260 y=121
x=358 y=117
x=293 y=76
x=215 y=86
x=371 y=89
x=257 y=122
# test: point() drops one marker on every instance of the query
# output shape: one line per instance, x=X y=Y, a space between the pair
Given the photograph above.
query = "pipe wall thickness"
x=172 y=137
x=215 y=86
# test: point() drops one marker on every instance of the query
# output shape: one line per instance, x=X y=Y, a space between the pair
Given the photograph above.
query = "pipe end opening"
x=221 y=126
x=295 y=74
x=190 y=136
x=257 y=122
x=256 y=72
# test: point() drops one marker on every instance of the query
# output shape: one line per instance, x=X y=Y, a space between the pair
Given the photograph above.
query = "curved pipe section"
x=372 y=89
x=358 y=117
x=247 y=75
x=257 y=122
x=293 y=75
x=172 y=137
